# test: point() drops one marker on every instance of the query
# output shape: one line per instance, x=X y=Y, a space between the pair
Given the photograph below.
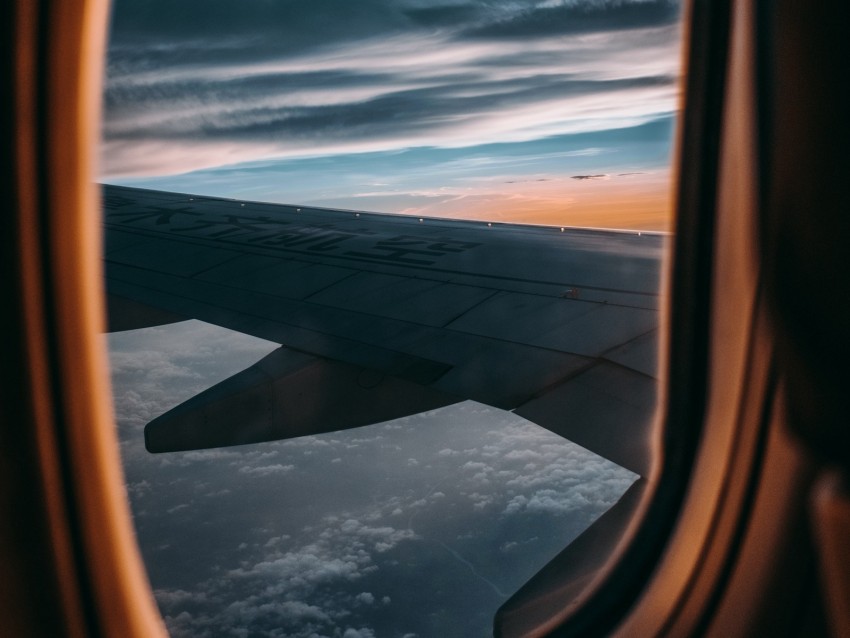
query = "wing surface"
x=394 y=314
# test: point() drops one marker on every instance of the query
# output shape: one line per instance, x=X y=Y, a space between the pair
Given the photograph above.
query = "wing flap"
x=285 y=395
x=551 y=594
x=129 y=314
x=607 y=409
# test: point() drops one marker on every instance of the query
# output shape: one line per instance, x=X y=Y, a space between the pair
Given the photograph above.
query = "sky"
x=537 y=111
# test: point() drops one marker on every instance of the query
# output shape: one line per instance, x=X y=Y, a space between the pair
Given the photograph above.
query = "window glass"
x=531 y=122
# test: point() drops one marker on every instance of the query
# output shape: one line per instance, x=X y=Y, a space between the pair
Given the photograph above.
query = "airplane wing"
x=380 y=316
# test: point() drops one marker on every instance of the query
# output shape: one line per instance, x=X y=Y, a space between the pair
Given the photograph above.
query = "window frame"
x=707 y=479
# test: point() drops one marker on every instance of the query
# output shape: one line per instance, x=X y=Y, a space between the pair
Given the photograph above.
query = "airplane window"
x=383 y=283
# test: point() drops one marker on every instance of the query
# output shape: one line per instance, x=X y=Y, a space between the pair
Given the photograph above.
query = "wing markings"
x=450 y=306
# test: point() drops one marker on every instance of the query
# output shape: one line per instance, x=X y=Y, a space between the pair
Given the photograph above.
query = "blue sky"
x=464 y=108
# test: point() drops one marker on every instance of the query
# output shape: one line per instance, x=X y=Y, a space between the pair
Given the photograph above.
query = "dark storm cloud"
x=205 y=84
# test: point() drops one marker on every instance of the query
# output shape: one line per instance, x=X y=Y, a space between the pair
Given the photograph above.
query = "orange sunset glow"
x=638 y=201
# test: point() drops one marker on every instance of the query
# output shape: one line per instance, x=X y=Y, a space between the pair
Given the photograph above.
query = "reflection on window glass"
x=370 y=424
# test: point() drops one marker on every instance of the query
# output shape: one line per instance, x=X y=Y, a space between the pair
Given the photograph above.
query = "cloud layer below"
x=421 y=526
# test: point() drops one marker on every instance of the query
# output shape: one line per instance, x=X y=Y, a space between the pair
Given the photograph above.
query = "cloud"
x=177 y=508
x=197 y=85
x=539 y=475
x=172 y=599
x=300 y=590
x=158 y=368
x=567 y=18
x=209 y=455
x=265 y=470
x=366 y=598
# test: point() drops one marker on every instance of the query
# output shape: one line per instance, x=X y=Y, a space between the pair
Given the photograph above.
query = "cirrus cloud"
x=198 y=85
